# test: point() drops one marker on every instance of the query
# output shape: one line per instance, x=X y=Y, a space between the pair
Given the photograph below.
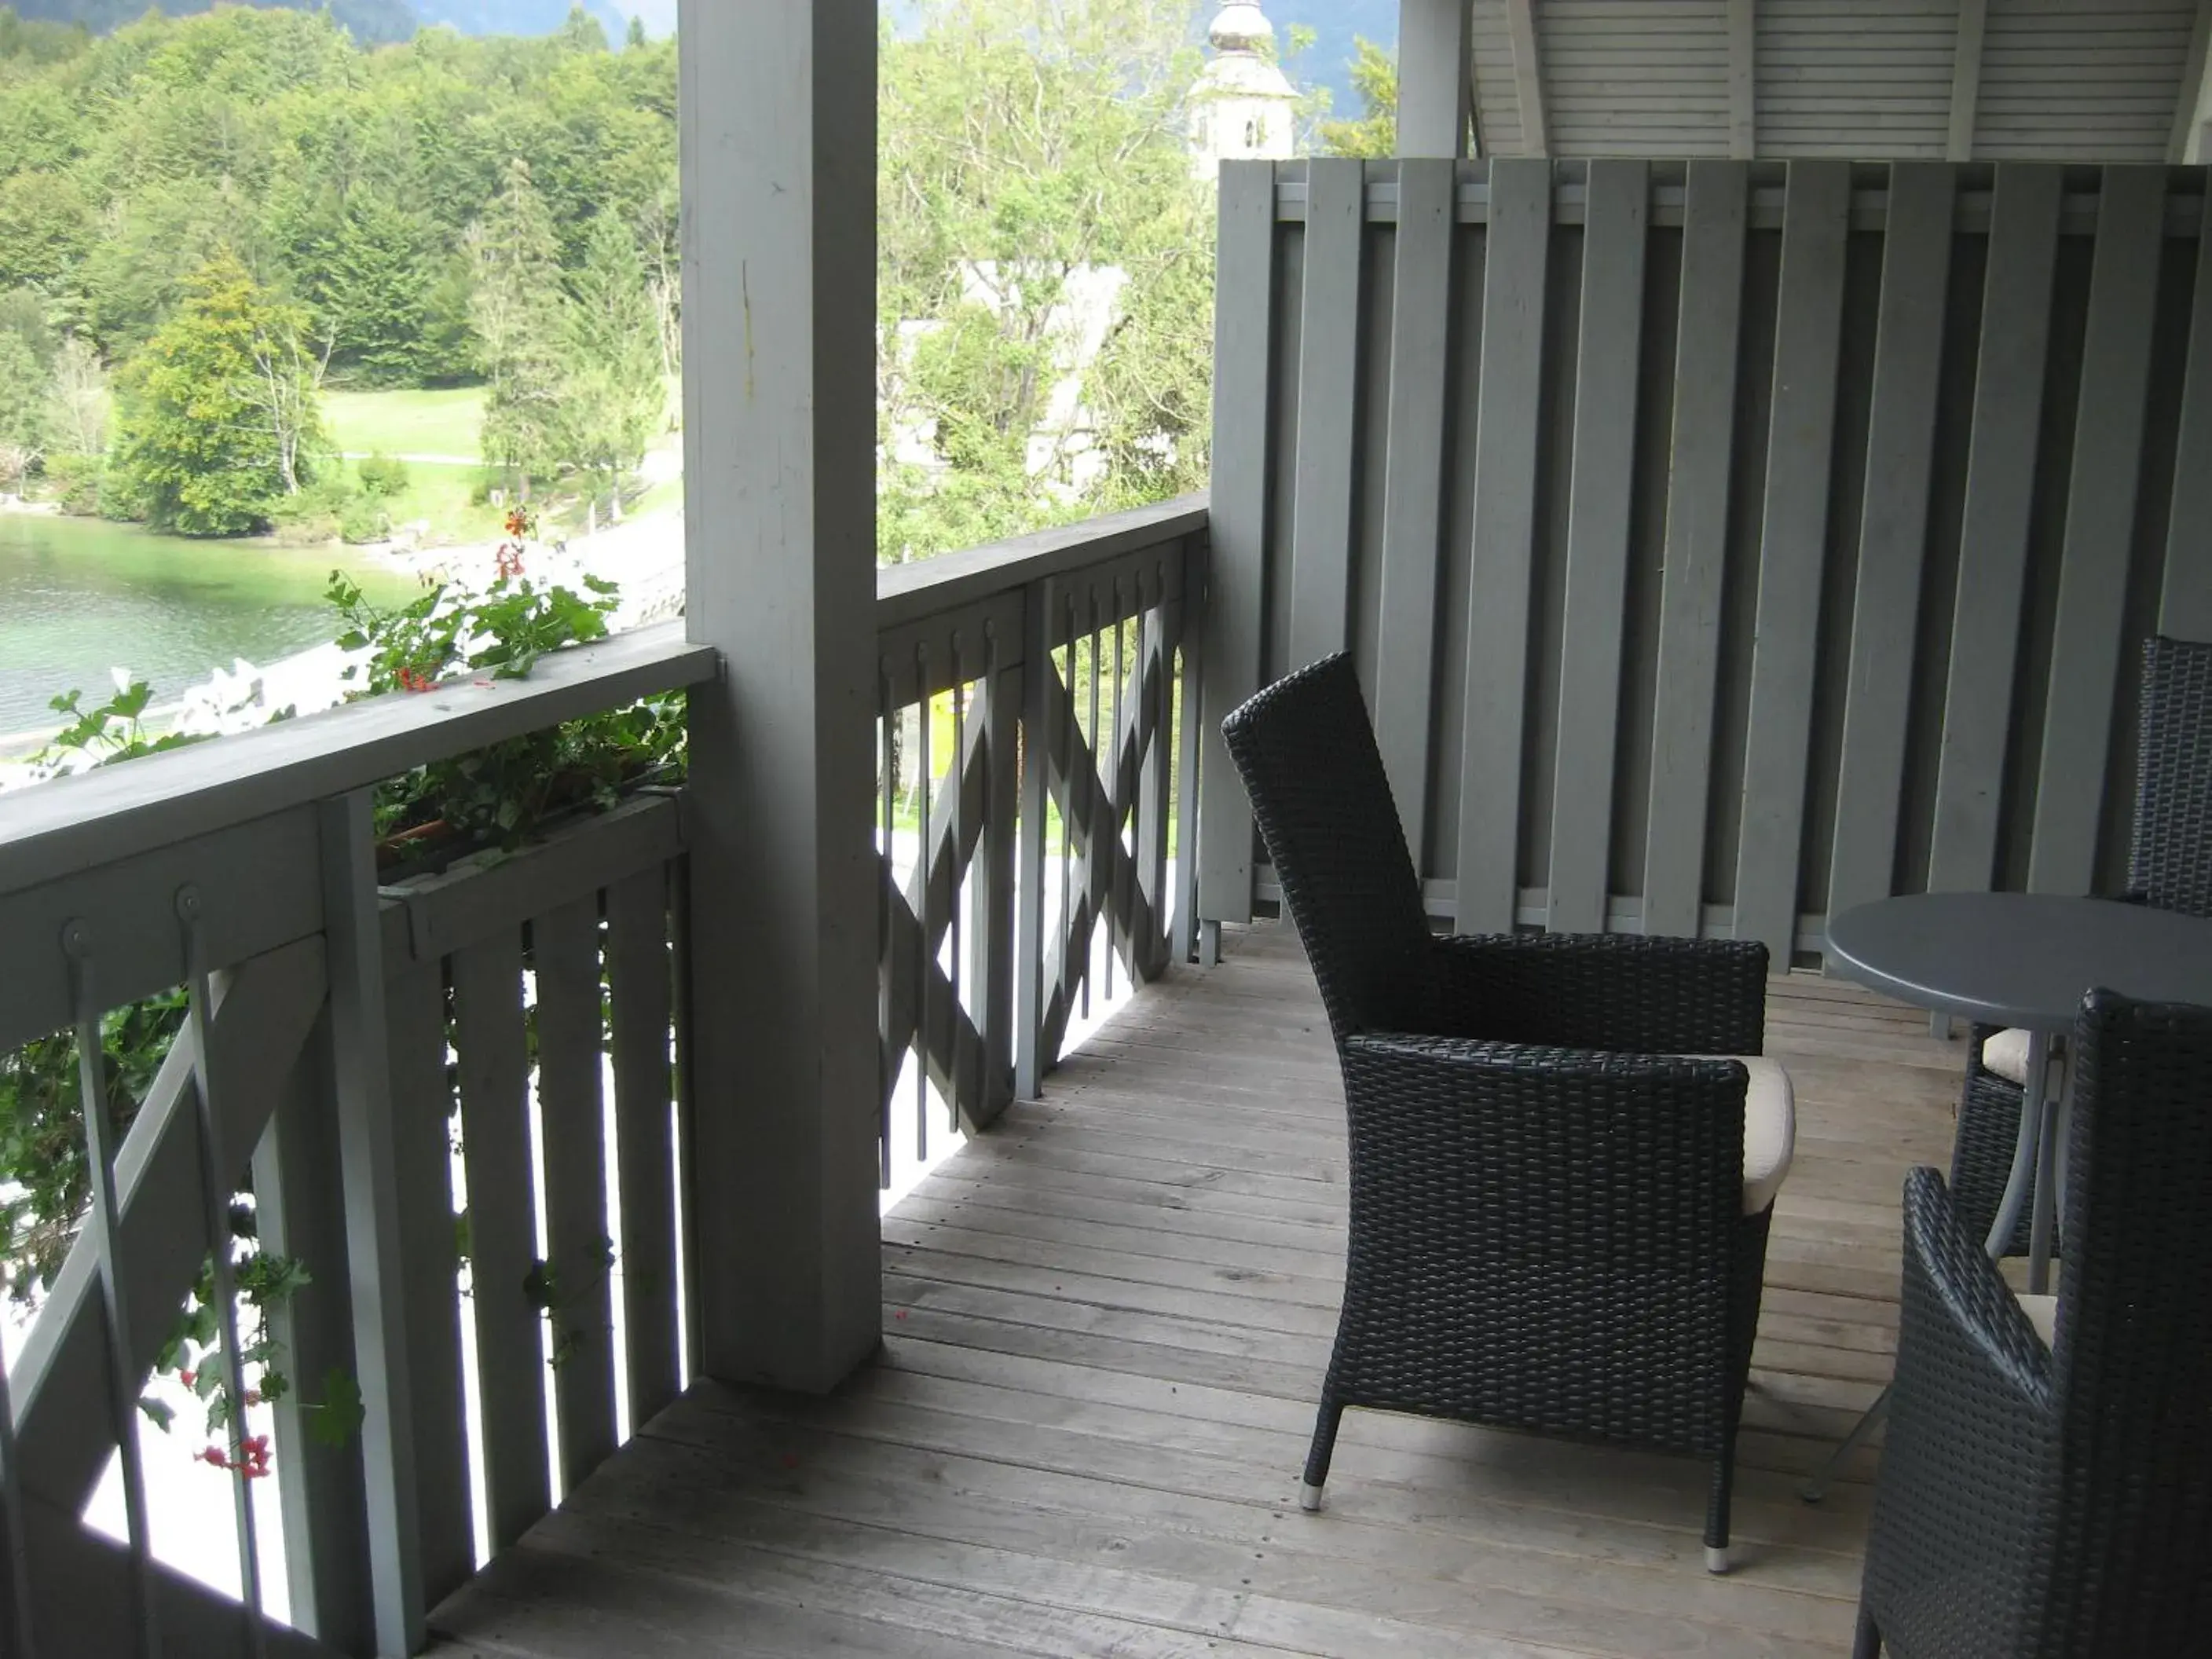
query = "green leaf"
x=159 y=1414
x=337 y=1420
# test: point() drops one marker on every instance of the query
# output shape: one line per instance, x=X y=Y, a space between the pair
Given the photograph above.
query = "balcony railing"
x=518 y=1021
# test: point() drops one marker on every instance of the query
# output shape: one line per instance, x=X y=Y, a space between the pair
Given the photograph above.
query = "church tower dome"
x=1243 y=105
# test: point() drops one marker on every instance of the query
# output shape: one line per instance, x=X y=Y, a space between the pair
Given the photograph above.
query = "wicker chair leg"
x=1717 y=1510
x=1866 y=1643
x=1317 y=1457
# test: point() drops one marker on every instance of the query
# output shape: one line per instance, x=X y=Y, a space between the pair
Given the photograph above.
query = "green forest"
x=211 y=223
x=208 y=222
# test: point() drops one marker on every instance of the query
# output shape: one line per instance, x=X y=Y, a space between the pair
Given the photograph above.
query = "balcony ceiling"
x=1966 y=80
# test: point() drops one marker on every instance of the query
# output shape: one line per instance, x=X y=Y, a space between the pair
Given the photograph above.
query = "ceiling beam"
x=1966 y=78
x=1528 y=78
x=1435 y=76
x=1743 y=79
x=2192 y=103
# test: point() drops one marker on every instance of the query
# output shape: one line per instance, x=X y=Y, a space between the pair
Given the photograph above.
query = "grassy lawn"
x=407 y=423
x=441 y=495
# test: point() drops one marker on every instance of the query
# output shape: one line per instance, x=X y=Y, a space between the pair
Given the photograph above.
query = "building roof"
x=2076 y=80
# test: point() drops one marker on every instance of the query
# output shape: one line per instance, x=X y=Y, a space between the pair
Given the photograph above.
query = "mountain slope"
x=370 y=21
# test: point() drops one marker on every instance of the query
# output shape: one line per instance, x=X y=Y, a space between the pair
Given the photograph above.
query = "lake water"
x=79 y=597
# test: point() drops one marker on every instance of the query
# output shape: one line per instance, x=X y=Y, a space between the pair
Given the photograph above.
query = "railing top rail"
x=908 y=593
x=73 y=824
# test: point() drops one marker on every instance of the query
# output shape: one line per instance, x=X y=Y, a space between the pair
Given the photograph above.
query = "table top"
x=2024 y=959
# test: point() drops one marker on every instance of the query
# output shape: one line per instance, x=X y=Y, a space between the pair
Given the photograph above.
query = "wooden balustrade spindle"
x=16 y=1639
x=1116 y=805
x=922 y=954
x=960 y=777
x=1091 y=816
x=215 y=1192
x=103 y=1226
x=886 y=728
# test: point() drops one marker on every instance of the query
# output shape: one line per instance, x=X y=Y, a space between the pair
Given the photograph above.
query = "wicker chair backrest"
x=2133 y=1357
x=2170 y=857
x=1321 y=798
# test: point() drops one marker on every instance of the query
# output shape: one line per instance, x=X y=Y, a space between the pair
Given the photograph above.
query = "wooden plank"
x=1607 y=367
x=1328 y=405
x=1794 y=528
x=1965 y=79
x=429 y=1280
x=1742 y=79
x=1508 y=399
x=581 y=1255
x=1243 y=337
x=1892 y=531
x=494 y=1060
x=641 y=985
x=297 y=1179
x=1697 y=546
x=1993 y=539
x=1414 y=485
x=1528 y=77
x=997 y=856
x=2184 y=610
x=2087 y=648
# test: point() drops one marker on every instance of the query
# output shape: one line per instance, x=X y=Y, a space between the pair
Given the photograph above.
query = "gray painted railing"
x=1039 y=860
x=1720 y=544
x=334 y=1026
x=526 y=1011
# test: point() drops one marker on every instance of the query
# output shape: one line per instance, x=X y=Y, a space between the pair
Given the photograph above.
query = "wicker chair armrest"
x=1570 y=1139
x=1617 y=991
x=1958 y=1303
x=1961 y=1510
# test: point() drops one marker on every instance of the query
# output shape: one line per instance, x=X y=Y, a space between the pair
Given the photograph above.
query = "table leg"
x=2020 y=1181
x=2043 y=1218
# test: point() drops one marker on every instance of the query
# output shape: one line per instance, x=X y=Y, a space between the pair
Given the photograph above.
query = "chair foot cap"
x=1717 y=1560
x=1309 y=1497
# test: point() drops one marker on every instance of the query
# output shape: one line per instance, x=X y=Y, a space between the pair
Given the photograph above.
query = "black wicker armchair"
x=1552 y=1223
x=2169 y=866
x=2046 y=1487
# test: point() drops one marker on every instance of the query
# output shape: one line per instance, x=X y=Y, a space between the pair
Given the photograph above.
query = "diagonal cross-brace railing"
x=1038 y=867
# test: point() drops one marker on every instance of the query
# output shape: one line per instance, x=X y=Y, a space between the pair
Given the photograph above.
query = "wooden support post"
x=1528 y=77
x=779 y=169
x=1965 y=79
x=1743 y=79
x=1436 y=77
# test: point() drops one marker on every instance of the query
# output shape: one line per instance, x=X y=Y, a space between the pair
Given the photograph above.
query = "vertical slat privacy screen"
x=1721 y=543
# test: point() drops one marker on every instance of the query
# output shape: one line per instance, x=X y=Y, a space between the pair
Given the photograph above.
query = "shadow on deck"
x=1104 y=1328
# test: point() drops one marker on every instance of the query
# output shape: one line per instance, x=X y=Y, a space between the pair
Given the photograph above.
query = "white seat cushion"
x=2006 y=1054
x=1770 y=1131
x=2042 y=1312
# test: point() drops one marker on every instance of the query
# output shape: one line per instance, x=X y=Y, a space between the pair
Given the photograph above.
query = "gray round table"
x=2024 y=960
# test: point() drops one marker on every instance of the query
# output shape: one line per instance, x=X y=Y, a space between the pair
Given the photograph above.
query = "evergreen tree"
x=516 y=256
x=614 y=401
x=222 y=407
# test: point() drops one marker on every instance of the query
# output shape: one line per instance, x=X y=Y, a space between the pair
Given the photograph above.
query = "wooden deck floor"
x=1105 y=1325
